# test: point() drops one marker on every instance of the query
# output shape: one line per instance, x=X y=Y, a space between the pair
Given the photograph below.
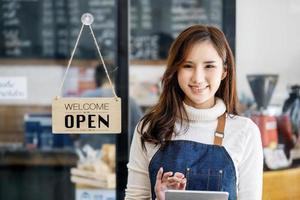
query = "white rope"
x=70 y=60
x=100 y=55
x=102 y=60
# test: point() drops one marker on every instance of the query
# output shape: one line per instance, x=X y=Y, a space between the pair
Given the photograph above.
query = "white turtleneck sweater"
x=241 y=140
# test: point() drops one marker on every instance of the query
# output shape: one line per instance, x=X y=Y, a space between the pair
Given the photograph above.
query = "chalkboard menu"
x=155 y=23
x=49 y=28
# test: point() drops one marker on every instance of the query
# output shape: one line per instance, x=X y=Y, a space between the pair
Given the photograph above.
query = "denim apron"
x=206 y=167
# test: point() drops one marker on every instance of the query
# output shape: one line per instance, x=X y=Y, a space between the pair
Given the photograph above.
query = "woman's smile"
x=198 y=89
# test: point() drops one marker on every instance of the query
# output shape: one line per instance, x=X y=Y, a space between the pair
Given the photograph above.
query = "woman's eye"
x=187 y=66
x=210 y=66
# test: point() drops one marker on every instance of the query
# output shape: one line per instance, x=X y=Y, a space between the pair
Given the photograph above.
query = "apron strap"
x=219 y=134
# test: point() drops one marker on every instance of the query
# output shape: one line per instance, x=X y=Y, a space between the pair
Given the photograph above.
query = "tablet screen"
x=195 y=195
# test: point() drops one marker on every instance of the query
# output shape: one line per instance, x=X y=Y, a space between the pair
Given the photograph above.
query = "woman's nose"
x=198 y=76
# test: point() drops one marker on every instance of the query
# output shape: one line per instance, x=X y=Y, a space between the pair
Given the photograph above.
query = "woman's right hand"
x=165 y=181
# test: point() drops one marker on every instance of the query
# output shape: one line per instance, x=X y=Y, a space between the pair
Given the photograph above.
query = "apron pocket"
x=205 y=179
x=215 y=180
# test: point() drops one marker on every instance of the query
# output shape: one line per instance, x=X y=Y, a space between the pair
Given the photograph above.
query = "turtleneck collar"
x=212 y=113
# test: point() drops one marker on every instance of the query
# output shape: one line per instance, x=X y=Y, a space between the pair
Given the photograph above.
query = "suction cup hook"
x=87 y=19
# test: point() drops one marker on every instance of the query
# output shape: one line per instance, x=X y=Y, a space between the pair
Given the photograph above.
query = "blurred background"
x=36 y=41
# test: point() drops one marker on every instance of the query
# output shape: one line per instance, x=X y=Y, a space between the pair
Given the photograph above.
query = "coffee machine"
x=262 y=87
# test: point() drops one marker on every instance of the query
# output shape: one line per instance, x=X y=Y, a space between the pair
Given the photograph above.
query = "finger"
x=182 y=185
x=179 y=175
x=166 y=176
x=159 y=174
x=174 y=185
x=173 y=179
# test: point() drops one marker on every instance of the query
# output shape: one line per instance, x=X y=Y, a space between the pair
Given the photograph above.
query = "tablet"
x=195 y=195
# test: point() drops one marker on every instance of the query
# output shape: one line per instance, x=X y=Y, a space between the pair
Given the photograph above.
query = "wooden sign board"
x=86 y=115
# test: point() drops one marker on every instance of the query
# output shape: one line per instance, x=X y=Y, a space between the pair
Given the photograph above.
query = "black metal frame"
x=123 y=140
x=229 y=16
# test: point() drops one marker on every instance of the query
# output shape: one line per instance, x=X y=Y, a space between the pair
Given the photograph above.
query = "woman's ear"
x=224 y=74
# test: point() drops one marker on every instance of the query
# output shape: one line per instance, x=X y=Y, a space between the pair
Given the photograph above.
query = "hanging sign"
x=86 y=115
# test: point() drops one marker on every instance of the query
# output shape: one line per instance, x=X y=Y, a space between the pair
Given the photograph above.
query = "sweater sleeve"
x=138 y=184
x=251 y=166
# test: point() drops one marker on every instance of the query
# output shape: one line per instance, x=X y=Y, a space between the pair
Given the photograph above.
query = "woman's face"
x=200 y=75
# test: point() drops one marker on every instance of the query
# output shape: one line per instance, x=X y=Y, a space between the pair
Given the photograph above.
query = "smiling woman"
x=193 y=139
x=200 y=75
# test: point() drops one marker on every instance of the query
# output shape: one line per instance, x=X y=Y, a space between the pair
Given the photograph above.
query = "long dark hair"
x=157 y=125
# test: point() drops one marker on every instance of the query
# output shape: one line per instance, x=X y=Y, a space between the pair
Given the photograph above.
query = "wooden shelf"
x=24 y=157
x=62 y=62
x=75 y=62
x=148 y=62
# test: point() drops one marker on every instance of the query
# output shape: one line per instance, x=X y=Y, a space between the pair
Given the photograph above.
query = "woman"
x=193 y=138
